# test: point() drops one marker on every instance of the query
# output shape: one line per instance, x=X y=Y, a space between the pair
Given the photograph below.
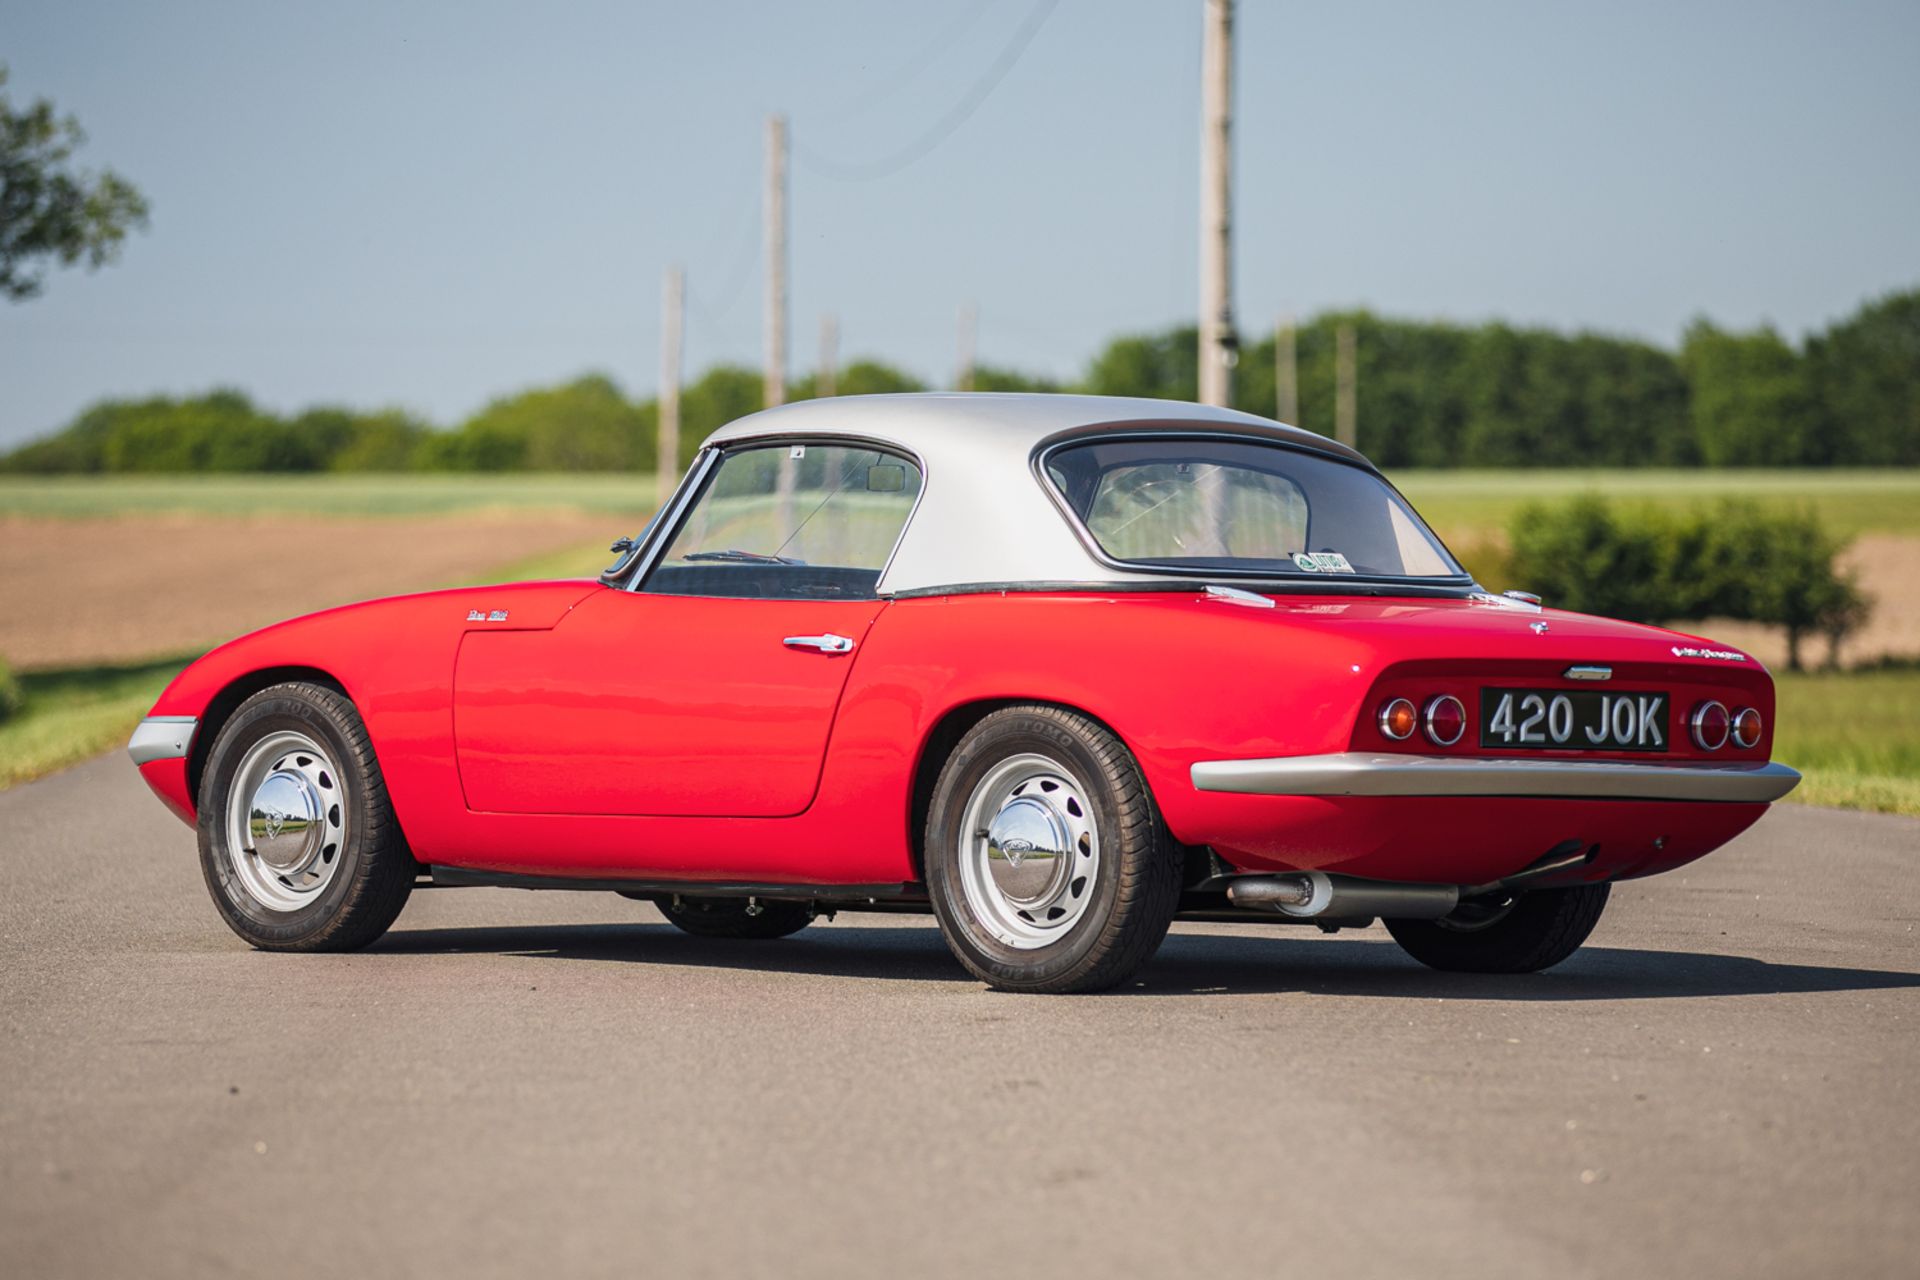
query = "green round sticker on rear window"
x=1322 y=562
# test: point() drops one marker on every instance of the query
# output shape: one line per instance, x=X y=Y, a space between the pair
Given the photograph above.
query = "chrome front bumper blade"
x=162 y=738
x=1355 y=773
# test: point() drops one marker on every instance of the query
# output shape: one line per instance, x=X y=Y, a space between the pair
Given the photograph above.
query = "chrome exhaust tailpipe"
x=1568 y=855
x=1305 y=895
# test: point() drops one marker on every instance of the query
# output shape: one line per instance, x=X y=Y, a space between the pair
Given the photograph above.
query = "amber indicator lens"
x=1398 y=719
x=1711 y=724
x=1746 y=728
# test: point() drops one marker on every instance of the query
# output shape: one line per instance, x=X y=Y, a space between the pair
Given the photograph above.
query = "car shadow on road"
x=1187 y=964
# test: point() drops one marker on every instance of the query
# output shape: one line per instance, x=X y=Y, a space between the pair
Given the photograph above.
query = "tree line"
x=1430 y=394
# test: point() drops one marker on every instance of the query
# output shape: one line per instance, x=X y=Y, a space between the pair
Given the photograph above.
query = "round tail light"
x=1446 y=720
x=1710 y=724
x=1746 y=728
x=1398 y=719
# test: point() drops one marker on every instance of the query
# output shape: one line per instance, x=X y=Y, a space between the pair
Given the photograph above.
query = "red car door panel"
x=654 y=705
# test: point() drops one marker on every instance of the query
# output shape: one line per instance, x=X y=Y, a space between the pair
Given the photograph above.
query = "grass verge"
x=1856 y=737
x=75 y=713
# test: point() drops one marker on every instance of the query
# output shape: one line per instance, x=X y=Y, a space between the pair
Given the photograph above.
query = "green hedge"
x=1734 y=560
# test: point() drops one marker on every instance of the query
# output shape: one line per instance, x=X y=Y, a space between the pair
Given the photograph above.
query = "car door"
x=709 y=689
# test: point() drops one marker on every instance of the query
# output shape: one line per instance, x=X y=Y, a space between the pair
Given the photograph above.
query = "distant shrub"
x=1734 y=560
x=1587 y=556
x=9 y=692
x=583 y=425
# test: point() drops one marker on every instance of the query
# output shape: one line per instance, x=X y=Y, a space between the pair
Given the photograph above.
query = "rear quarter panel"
x=1183 y=678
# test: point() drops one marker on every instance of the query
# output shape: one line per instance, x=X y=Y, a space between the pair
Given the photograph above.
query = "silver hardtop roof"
x=984 y=516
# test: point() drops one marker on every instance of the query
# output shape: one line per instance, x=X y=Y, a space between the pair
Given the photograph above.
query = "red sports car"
x=1061 y=670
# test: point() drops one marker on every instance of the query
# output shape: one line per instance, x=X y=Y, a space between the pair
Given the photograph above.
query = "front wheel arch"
x=221 y=706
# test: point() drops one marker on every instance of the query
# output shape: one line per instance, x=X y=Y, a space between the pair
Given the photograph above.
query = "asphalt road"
x=1725 y=1082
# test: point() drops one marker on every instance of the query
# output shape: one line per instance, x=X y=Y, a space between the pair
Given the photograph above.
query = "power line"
x=943 y=128
x=908 y=70
x=746 y=253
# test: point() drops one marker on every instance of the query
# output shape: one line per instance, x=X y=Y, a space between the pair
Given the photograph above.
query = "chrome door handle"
x=823 y=644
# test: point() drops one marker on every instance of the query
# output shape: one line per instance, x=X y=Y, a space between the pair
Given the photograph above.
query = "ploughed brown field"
x=111 y=589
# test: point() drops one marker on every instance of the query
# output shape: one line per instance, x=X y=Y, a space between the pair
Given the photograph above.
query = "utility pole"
x=673 y=311
x=776 y=371
x=828 y=380
x=1286 y=372
x=1218 y=346
x=1345 y=394
x=775 y=385
x=969 y=321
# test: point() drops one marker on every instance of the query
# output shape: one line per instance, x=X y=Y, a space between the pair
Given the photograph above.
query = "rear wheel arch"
x=222 y=705
x=938 y=744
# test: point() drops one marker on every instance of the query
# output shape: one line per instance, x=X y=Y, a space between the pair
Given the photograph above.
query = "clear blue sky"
x=429 y=203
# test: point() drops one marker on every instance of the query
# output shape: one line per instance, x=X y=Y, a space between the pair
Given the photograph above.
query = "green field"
x=1850 y=502
x=1847 y=502
x=332 y=495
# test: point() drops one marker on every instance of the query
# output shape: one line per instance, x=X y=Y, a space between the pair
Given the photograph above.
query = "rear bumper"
x=1356 y=773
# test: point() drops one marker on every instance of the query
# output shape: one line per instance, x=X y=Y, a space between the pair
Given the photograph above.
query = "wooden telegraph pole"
x=775 y=380
x=964 y=340
x=828 y=380
x=673 y=296
x=1286 y=372
x=1217 y=346
x=1345 y=394
x=776 y=355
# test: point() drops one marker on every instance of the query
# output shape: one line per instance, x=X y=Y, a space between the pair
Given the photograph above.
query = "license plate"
x=1572 y=720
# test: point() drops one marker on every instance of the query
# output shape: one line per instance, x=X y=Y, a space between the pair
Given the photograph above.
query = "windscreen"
x=791 y=522
x=1204 y=505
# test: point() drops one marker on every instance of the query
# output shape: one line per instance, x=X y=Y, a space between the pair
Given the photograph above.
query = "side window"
x=791 y=522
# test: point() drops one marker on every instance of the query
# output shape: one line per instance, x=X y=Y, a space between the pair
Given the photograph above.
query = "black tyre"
x=1048 y=864
x=735 y=917
x=298 y=840
x=1540 y=930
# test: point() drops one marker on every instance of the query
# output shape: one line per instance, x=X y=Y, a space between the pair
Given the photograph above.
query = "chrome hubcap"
x=1029 y=851
x=286 y=821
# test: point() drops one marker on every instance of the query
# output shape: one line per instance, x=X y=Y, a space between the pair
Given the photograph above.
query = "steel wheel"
x=286 y=821
x=1046 y=861
x=1029 y=851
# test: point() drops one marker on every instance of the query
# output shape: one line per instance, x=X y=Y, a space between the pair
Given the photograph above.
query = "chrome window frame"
x=709 y=460
x=1047 y=448
x=652 y=542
